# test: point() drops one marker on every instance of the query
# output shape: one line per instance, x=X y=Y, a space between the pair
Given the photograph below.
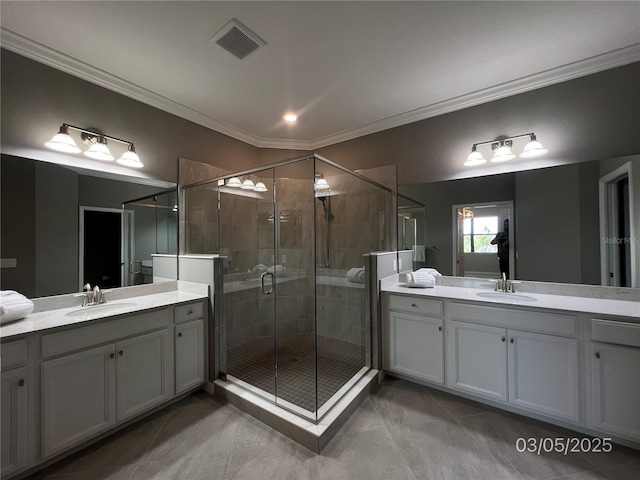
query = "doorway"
x=617 y=257
x=483 y=240
x=100 y=247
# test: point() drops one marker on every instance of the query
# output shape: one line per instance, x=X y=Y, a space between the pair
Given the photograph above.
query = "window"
x=478 y=233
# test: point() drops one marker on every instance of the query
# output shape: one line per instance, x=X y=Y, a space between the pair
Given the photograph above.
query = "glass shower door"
x=247 y=254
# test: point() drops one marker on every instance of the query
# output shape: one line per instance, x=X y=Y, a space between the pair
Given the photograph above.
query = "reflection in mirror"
x=484 y=243
x=556 y=222
x=411 y=229
x=149 y=238
x=43 y=207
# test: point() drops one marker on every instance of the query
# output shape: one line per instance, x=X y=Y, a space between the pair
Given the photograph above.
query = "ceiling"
x=347 y=68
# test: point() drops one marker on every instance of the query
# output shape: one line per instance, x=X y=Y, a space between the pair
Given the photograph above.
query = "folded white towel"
x=420 y=280
x=356 y=275
x=430 y=271
x=14 y=306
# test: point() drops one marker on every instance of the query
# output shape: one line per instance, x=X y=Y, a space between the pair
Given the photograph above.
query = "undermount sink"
x=105 y=308
x=513 y=297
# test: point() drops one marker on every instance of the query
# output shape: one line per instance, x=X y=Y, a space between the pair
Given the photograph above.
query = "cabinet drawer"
x=621 y=333
x=104 y=332
x=14 y=354
x=190 y=311
x=506 y=317
x=415 y=305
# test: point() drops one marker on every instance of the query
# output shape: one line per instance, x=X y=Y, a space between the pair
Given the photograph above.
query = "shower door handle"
x=270 y=291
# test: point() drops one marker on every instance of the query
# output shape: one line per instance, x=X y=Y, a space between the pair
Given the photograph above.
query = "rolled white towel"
x=420 y=280
x=430 y=271
x=277 y=269
x=14 y=306
x=356 y=275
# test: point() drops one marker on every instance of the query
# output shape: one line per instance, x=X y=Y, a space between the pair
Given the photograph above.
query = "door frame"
x=608 y=216
x=82 y=210
x=455 y=232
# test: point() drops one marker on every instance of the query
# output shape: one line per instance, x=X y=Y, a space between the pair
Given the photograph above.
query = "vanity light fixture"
x=502 y=150
x=246 y=184
x=63 y=142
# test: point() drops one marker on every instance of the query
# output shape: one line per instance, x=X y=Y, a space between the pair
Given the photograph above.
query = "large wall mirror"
x=63 y=227
x=577 y=223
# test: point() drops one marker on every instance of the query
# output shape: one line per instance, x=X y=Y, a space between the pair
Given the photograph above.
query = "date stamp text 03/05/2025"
x=563 y=445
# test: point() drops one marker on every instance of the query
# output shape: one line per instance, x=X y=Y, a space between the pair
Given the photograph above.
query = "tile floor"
x=337 y=362
x=403 y=431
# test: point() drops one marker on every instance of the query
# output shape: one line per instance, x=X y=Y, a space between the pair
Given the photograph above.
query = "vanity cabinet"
x=189 y=340
x=16 y=399
x=415 y=346
x=78 y=397
x=615 y=378
x=87 y=392
x=534 y=371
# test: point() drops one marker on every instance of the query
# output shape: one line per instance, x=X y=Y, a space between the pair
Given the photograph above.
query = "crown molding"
x=52 y=58
x=581 y=68
x=43 y=54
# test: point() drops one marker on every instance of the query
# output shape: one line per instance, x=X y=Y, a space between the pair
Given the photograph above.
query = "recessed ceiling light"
x=290 y=117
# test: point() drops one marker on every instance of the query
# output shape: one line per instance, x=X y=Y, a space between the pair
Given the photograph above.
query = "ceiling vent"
x=237 y=39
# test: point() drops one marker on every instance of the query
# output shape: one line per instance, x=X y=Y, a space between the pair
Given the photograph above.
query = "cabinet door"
x=144 y=372
x=78 y=393
x=615 y=390
x=416 y=346
x=189 y=355
x=543 y=374
x=477 y=355
x=14 y=421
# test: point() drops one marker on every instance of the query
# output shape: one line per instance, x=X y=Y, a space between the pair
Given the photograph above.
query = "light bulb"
x=533 y=149
x=247 y=184
x=475 y=158
x=260 y=187
x=503 y=154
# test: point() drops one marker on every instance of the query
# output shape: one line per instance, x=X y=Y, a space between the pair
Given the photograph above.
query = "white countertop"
x=598 y=306
x=59 y=317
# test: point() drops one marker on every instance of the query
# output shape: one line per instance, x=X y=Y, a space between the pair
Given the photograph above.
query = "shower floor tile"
x=338 y=361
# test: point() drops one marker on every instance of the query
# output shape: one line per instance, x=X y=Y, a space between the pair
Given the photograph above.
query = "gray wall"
x=547 y=226
x=18 y=227
x=56 y=253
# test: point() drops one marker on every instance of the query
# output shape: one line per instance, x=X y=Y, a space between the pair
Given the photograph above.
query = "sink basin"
x=508 y=297
x=104 y=309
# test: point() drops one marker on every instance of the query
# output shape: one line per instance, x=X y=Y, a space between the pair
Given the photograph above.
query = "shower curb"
x=305 y=432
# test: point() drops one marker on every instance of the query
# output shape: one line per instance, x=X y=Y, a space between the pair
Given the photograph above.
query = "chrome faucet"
x=98 y=296
x=92 y=297
x=503 y=285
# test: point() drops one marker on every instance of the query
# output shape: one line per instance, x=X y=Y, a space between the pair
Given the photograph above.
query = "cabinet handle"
x=414 y=305
x=503 y=339
x=597 y=354
x=21 y=383
x=439 y=329
x=121 y=353
x=190 y=312
x=180 y=335
x=112 y=355
x=511 y=340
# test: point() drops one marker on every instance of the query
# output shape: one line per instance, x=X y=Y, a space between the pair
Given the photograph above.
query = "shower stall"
x=291 y=291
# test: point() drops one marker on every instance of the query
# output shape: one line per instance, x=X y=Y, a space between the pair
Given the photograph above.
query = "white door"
x=189 y=355
x=416 y=346
x=78 y=393
x=144 y=372
x=478 y=358
x=14 y=421
x=543 y=374
x=615 y=390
